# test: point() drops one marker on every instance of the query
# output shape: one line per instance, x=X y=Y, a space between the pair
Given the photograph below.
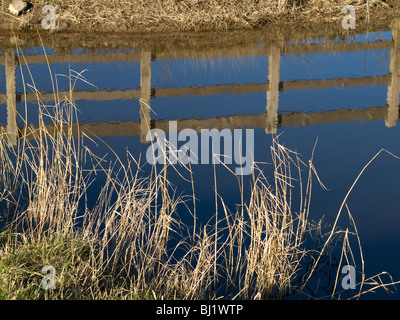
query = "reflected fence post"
x=145 y=94
x=274 y=63
x=12 y=129
x=394 y=84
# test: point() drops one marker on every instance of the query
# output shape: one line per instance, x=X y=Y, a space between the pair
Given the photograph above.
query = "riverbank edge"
x=143 y=20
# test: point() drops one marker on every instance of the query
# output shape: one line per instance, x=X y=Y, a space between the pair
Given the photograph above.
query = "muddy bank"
x=192 y=15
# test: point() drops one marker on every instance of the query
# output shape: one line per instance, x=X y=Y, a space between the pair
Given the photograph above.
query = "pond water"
x=341 y=93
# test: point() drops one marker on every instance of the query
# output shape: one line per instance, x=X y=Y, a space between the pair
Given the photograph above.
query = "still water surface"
x=342 y=93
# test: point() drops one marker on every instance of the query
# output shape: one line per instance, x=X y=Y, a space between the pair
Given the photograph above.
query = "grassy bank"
x=132 y=243
x=193 y=15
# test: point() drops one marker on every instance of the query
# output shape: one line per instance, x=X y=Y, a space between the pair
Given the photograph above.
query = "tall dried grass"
x=193 y=15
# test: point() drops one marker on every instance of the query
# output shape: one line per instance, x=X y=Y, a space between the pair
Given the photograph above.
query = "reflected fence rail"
x=268 y=120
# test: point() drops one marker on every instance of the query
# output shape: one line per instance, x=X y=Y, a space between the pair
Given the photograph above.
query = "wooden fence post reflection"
x=12 y=129
x=274 y=62
x=394 y=82
x=145 y=94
